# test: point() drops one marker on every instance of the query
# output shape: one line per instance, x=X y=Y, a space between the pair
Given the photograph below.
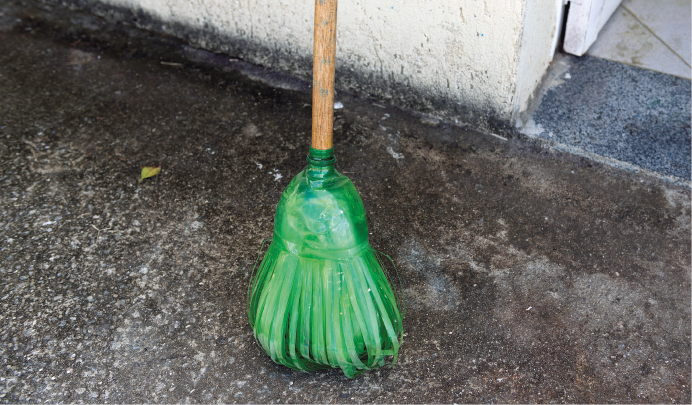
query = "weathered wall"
x=473 y=61
x=538 y=41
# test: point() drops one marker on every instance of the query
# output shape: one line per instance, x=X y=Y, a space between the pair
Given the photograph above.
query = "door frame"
x=585 y=19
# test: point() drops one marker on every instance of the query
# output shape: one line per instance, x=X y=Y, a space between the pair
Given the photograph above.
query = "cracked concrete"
x=530 y=275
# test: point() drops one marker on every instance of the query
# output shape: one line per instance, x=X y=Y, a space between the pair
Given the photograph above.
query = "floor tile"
x=669 y=20
x=626 y=40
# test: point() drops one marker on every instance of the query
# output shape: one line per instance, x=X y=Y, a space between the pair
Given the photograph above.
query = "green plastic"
x=321 y=298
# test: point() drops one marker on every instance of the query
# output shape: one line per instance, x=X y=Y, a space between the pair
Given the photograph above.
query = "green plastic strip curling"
x=320 y=297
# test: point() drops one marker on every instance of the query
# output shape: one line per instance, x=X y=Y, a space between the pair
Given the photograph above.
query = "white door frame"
x=585 y=18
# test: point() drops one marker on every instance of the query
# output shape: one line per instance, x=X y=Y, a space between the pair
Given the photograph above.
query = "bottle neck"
x=319 y=157
x=321 y=163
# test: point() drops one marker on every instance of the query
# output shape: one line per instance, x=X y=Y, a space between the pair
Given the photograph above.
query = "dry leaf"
x=149 y=171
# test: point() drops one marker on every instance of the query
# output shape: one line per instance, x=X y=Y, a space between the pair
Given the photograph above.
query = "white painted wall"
x=541 y=28
x=479 y=56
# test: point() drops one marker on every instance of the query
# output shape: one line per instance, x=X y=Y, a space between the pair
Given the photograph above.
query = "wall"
x=469 y=61
x=541 y=28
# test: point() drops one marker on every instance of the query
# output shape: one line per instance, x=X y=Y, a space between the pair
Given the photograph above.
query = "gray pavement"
x=530 y=275
x=633 y=115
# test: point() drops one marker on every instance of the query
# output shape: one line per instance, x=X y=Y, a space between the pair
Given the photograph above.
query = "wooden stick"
x=324 y=53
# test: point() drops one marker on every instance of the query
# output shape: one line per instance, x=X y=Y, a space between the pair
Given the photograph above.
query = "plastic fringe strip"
x=311 y=314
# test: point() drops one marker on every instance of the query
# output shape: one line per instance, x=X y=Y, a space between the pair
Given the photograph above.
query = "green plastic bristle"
x=321 y=297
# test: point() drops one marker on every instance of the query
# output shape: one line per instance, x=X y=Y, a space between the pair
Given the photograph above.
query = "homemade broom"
x=320 y=298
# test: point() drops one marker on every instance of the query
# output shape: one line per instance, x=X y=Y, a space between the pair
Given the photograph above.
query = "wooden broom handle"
x=324 y=53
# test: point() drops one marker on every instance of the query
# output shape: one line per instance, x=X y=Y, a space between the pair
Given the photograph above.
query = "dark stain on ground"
x=530 y=276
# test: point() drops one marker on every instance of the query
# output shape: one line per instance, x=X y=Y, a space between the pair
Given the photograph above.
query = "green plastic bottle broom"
x=320 y=297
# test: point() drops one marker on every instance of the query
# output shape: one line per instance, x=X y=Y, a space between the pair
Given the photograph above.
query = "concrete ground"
x=530 y=275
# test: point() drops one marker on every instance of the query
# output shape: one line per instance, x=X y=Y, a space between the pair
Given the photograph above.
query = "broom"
x=320 y=297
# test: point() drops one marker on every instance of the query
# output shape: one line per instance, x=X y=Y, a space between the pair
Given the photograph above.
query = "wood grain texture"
x=324 y=52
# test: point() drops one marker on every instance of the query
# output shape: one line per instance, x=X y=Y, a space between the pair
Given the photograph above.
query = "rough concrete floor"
x=530 y=276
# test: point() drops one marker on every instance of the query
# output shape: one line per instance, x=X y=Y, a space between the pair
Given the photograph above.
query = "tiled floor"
x=653 y=35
